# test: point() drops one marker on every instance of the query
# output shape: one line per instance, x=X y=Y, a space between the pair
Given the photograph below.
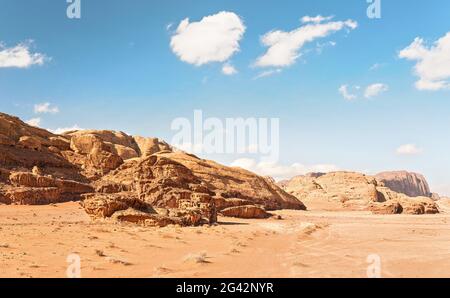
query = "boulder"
x=124 y=152
x=248 y=211
x=101 y=162
x=389 y=207
x=149 y=146
x=85 y=143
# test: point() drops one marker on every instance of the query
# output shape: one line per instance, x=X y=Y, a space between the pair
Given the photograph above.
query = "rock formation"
x=410 y=184
x=125 y=178
x=180 y=185
x=355 y=191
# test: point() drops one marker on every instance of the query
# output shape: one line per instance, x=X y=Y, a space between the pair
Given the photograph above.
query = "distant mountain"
x=410 y=184
x=355 y=191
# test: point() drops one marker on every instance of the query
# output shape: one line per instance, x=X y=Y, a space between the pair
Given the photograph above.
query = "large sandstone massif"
x=125 y=178
x=355 y=191
x=410 y=184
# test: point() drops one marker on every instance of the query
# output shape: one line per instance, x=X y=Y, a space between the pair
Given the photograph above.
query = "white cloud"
x=369 y=92
x=19 y=56
x=62 y=130
x=245 y=163
x=213 y=39
x=343 y=90
x=279 y=172
x=321 y=46
x=189 y=147
x=375 y=90
x=34 y=122
x=267 y=73
x=228 y=69
x=376 y=66
x=284 y=47
x=408 y=149
x=44 y=108
x=433 y=63
x=316 y=19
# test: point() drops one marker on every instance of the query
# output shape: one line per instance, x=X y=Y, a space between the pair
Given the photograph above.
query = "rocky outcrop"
x=410 y=205
x=192 y=188
x=410 y=184
x=25 y=188
x=149 y=146
x=127 y=179
x=389 y=207
x=355 y=191
x=249 y=211
x=126 y=207
x=234 y=184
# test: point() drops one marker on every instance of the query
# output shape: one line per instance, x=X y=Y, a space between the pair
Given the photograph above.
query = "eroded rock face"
x=389 y=207
x=248 y=211
x=235 y=183
x=183 y=186
x=355 y=191
x=127 y=179
x=410 y=205
x=149 y=146
x=27 y=188
x=410 y=184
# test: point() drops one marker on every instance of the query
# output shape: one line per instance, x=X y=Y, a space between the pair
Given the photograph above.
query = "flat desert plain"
x=35 y=241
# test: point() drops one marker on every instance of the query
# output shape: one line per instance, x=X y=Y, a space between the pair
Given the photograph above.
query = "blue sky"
x=115 y=69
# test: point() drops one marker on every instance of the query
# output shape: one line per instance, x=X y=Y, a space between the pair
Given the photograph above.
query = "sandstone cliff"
x=355 y=191
x=126 y=178
x=410 y=184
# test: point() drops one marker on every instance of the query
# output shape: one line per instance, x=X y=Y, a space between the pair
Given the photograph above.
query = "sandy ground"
x=35 y=241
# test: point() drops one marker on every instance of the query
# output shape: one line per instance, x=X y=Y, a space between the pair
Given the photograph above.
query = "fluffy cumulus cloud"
x=408 y=149
x=214 y=38
x=34 y=122
x=433 y=63
x=278 y=171
x=344 y=91
x=228 y=69
x=375 y=90
x=45 y=108
x=284 y=47
x=19 y=56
